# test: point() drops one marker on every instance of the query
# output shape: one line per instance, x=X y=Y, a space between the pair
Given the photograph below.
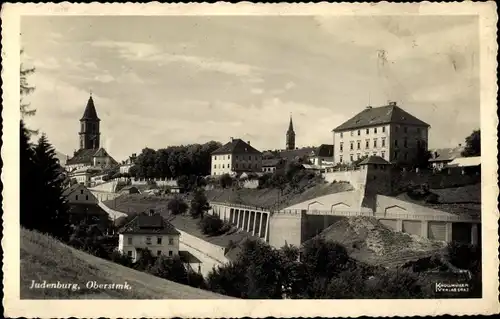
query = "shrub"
x=465 y=256
x=177 y=206
x=226 y=181
x=199 y=204
x=211 y=225
x=169 y=268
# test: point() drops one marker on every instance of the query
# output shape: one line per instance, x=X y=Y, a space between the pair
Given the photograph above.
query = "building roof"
x=71 y=189
x=90 y=112
x=325 y=150
x=374 y=160
x=297 y=153
x=445 y=154
x=149 y=224
x=271 y=162
x=372 y=116
x=290 y=125
x=84 y=156
x=236 y=146
x=465 y=161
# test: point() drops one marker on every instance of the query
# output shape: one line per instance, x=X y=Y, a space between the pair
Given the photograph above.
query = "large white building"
x=148 y=231
x=385 y=131
x=236 y=157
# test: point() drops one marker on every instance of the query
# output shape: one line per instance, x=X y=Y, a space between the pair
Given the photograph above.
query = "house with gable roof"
x=236 y=157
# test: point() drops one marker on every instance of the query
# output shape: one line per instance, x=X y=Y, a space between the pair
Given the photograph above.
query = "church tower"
x=290 y=136
x=89 y=127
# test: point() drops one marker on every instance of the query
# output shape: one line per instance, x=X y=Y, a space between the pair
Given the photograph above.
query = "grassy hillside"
x=272 y=197
x=44 y=258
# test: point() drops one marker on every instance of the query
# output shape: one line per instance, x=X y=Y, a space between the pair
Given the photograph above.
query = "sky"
x=170 y=80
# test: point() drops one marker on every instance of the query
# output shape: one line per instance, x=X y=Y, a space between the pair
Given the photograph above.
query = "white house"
x=79 y=194
x=148 y=231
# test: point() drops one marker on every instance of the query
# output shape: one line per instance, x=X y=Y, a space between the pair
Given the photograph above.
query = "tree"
x=422 y=156
x=226 y=181
x=177 y=206
x=472 y=144
x=199 y=204
x=169 y=268
x=26 y=89
x=51 y=205
x=29 y=217
x=211 y=225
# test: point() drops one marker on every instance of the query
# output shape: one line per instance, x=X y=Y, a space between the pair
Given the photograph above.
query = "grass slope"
x=44 y=258
x=271 y=197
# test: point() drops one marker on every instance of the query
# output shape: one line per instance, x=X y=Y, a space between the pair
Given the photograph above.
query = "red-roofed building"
x=385 y=131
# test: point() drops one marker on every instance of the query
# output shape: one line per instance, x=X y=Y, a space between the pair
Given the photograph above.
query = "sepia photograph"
x=258 y=156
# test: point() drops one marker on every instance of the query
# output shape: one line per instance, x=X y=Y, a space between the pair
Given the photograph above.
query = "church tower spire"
x=290 y=136
x=89 y=127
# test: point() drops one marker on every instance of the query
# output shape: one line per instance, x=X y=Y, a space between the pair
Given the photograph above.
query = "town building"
x=127 y=164
x=148 y=231
x=385 y=131
x=236 y=157
x=90 y=154
x=290 y=136
x=322 y=156
x=296 y=154
x=442 y=156
x=79 y=194
x=272 y=164
x=84 y=206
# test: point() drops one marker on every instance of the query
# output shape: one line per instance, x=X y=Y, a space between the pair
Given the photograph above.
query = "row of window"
x=242 y=157
x=149 y=240
x=376 y=129
x=367 y=144
x=382 y=154
x=243 y=165
x=158 y=253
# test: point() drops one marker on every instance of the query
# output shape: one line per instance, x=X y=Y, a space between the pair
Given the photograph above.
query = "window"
x=148 y=240
x=396 y=153
x=215 y=157
x=418 y=130
x=222 y=165
x=236 y=157
x=341 y=135
x=405 y=129
x=406 y=155
x=236 y=165
x=395 y=142
x=81 y=191
x=341 y=147
x=375 y=143
x=340 y=159
x=352 y=146
x=228 y=165
x=170 y=253
x=215 y=166
x=158 y=240
x=170 y=241
x=359 y=145
x=352 y=133
x=374 y=153
x=359 y=132
x=352 y=158
x=383 y=155
x=86 y=197
x=405 y=142
x=158 y=253
x=383 y=129
x=129 y=240
x=229 y=157
x=358 y=156
x=76 y=197
x=375 y=130
x=367 y=131
x=383 y=142
x=129 y=253
x=396 y=128
x=367 y=144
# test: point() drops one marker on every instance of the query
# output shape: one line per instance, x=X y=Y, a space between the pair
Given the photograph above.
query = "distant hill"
x=45 y=258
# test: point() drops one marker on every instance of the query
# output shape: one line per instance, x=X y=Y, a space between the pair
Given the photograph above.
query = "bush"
x=394 y=284
x=226 y=181
x=465 y=256
x=199 y=204
x=169 y=268
x=177 y=206
x=211 y=225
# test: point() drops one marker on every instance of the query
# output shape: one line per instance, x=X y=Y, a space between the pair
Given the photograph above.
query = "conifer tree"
x=28 y=216
x=51 y=207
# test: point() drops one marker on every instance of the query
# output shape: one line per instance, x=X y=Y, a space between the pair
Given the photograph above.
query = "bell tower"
x=290 y=136
x=89 y=127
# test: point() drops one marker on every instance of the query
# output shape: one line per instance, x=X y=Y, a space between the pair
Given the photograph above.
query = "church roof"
x=236 y=146
x=290 y=125
x=90 y=112
x=372 y=116
x=84 y=156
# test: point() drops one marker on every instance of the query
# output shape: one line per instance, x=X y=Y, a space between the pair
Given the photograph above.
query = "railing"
x=234 y=205
x=429 y=217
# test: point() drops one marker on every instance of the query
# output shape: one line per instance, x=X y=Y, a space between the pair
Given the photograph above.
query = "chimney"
x=391 y=103
x=248 y=142
x=231 y=138
x=151 y=212
x=369 y=107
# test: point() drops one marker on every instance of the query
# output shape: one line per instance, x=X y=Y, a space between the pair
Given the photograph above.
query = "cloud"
x=256 y=91
x=104 y=78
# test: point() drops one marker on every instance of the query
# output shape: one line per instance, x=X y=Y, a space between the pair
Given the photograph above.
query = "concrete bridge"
x=296 y=225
